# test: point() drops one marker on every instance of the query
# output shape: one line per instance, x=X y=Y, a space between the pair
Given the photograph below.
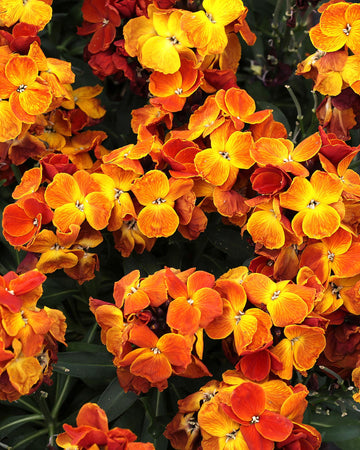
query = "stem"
x=92 y=332
x=315 y=102
x=275 y=23
x=27 y=405
x=332 y=373
x=23 y=420
x=61 y=397
x=29 y=438
x=300 y=116
x=157 y=407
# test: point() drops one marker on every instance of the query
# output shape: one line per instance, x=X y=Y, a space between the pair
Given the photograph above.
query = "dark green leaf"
x=86 y=365
x=115 y=401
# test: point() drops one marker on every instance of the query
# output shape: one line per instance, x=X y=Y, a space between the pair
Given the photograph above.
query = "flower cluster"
x=334 y=67
x=156 y=323
x=201 y=147
x=238 y=413
x=92 y=432
x=28 y=335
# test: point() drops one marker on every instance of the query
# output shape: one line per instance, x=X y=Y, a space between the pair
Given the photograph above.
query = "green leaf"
x=86 y=365
x=279 y=116
x=115 y=401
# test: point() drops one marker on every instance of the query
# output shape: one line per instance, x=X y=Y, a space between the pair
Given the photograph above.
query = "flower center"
x=313 y=203
x=275 y=295
x=178 y=91
x=231 y=435
x=225 y=155
x=347 y=29
x=131 y=224
x=289 y=159
x=21 y=88
x=158 y=201
x=173 y=40
x=238 y=316
x=79 y=205
x=190 y=301
x=105 y=22
x=155 y=350
x=35 y=222
x=255 y=419
x=331 y=256
x=118 y=192
x=210 y=17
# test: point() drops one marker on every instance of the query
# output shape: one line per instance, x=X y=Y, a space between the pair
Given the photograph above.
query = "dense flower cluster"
x=28 y=335
x=334 y=67
x=201 y=147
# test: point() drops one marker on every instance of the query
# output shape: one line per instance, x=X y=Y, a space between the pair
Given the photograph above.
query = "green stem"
x=92 y=332
x=300 y=116
x=332 y=373
x=275 y=21
x=27 y=405
x=31 y=418
x=32 y=437
x=59 y=401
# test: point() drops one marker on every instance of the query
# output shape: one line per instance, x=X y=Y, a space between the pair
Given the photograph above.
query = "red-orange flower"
x=92 y=431
x=195 y=303
x=28 y=94
x=259 y=426
x=156 y=358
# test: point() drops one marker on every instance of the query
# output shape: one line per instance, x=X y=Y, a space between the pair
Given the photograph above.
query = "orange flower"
x=18 y=290
x=156 y=358
x=158 y=194
x=158 y=42
x=10 y=125
x=229 y=152
x=34 y=12
x=76 y=198
x=28 y=94
x=336 y=253
x=129 y=237
x=313 y=199
x=281 y=153
x=84 y=98
x=136 y=295
x=218 y=429
x=55 y=249
x=339 y=25
x=301 y=348
x=92 y=431
x=23 y=371
x=267 y=225
x=22 y=220
x=205 y=30
x=238 y=104
x=118 y=194
x=286 y=303
x=251 y=328
x=171 y=90
x=260 y=427
x=195 y=303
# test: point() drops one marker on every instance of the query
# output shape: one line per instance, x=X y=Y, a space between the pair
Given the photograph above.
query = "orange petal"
x=158 y=220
